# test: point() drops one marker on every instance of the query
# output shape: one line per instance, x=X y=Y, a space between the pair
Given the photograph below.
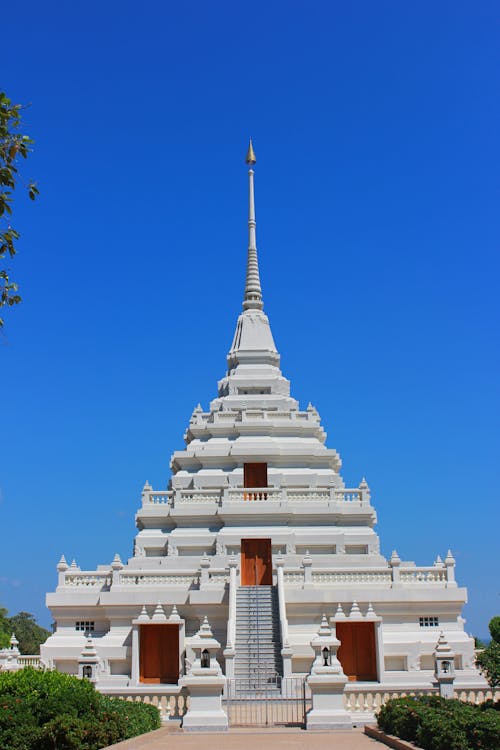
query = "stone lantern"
x=327 y=682
x=204 y=683
x=444 y=667
x=88 y=661
x=9 y=657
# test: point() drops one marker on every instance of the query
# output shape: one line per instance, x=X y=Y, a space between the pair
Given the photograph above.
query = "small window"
x=356 y=549
x=86 y=626
x=429 y=622
x=253 y=391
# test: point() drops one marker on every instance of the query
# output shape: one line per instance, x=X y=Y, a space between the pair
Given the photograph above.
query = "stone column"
x=327 y=682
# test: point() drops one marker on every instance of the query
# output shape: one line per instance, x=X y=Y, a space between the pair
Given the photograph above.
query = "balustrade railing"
x=382 y=576
x=172 y=705
x=29 y=660
x=157 y=498
x=156 y=578
x=356 y=576
x=88 y=579
x=245 y=494
x=423 y=575
x=369 y=700
x=172 y=498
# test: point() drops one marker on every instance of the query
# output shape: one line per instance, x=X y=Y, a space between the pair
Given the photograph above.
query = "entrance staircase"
x=258 y=662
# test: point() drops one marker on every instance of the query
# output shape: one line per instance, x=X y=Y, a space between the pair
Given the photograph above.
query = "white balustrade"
x=383 y=577
x=197 y=496
x=423 y=575
x=90 y=579
x=355 y=576
x=245 y=494
x=29 y=660
x=348 y=496
x=362 y=700
x=293 y=576
x=158 y=498
x=220 y=577
x=172 y=705
x=254 y=494
x=307 y=495
x=166 y=578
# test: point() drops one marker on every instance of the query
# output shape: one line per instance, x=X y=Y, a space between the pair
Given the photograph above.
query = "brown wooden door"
x=255 y=475
x=357 y=650
x=256 y=562
x=159 y=653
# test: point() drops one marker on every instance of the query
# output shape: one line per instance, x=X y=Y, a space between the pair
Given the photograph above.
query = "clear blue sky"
x=376 y=131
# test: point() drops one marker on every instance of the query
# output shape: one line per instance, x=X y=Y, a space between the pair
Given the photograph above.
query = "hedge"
x=434 y=723
x=41 y=710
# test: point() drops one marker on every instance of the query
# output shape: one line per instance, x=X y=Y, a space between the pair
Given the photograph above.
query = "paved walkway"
x=250 y=739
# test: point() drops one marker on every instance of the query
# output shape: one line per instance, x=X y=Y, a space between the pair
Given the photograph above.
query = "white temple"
x=256 y=519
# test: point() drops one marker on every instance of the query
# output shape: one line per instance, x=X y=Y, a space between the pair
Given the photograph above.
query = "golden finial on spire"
x=250 y=157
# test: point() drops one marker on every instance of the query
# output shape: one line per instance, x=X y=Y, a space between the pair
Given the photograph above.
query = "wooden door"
x=357 y=650
x=255 y=475
x=159 y=653
x=256 y=562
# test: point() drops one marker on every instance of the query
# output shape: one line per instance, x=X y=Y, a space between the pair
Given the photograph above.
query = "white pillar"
x=134 y=676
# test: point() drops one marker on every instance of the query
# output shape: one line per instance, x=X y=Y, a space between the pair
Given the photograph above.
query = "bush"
x=53 y=711
x=434 y=723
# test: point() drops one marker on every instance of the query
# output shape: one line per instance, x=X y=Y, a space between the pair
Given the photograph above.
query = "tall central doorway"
x=256 y=562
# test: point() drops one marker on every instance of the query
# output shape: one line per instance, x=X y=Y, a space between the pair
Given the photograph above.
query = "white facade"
x=326 y=558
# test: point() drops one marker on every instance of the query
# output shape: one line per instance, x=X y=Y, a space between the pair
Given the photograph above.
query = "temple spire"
x=253 y=292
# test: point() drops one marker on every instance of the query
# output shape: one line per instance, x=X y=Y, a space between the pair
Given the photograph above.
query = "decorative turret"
x=444 y=667
x=88 y=661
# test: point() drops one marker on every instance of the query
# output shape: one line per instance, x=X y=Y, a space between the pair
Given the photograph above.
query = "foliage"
x=29 y=634
x=53 y=711
x=4 y=628
x=13 y=145
x=488 y=660
x=435 y=723
x=494 y=627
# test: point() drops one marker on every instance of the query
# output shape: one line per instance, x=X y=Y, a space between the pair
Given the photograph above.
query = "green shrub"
x=434 y=723
x=53 y=711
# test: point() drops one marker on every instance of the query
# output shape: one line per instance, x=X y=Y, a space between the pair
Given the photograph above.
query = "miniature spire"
x=205 y=630
x=174 y=615
x=62 y=564
x=355 y=610
x=324 y=628
x=253 y=292
x=143 y=614
x=159 y=613
x=340 y=612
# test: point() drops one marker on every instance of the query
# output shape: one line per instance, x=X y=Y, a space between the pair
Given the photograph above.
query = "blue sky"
x=376 y=132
